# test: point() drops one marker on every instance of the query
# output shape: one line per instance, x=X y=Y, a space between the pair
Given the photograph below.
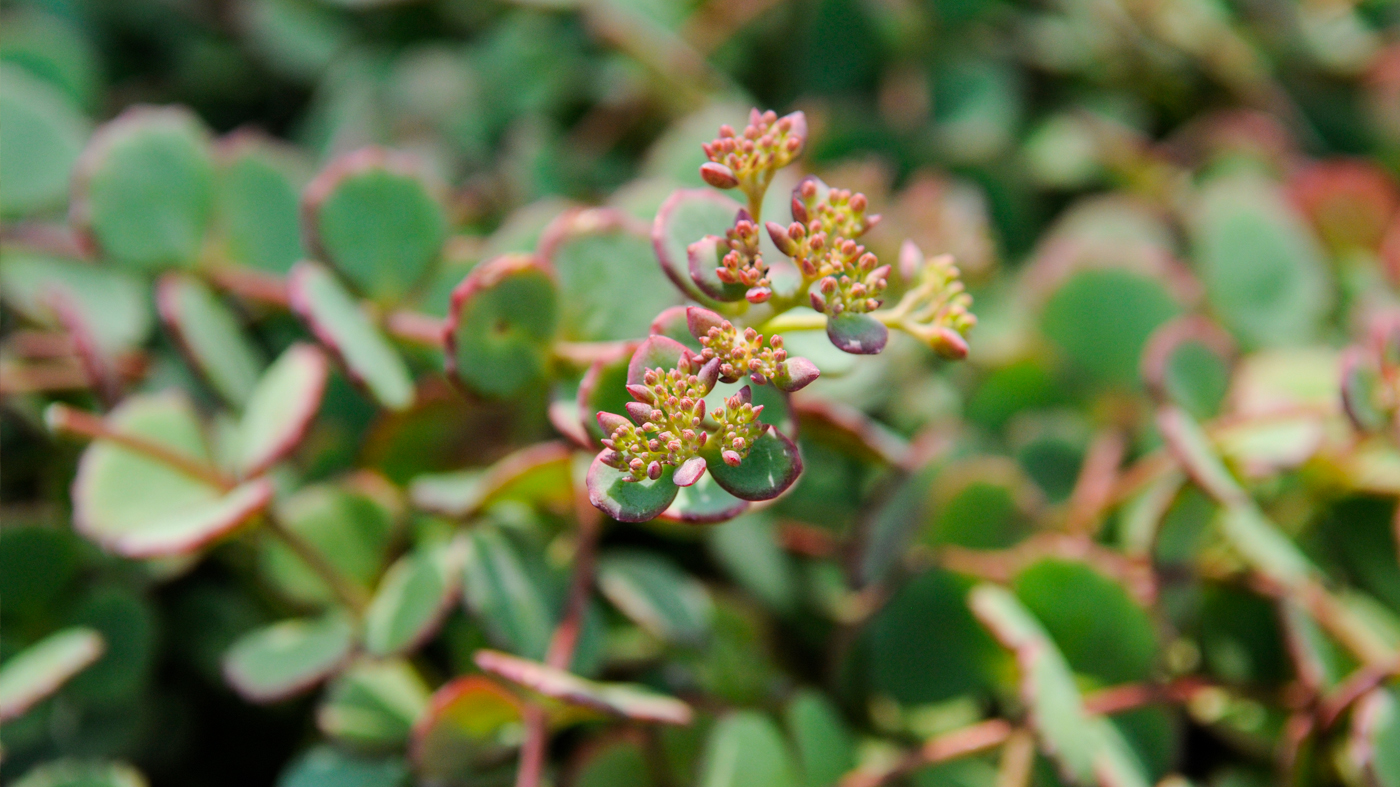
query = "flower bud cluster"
x=739 y=426
x=822 y=243
x=743 y=263
x=748 y=159
x=840 y=213
x=743 y=353
x=935 y=309
x=669 y=414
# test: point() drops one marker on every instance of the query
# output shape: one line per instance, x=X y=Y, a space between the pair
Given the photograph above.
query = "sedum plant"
x=525 y=413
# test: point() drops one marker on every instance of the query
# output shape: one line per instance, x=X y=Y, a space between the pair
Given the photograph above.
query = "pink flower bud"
x=818 y=302
x=731 y=458
x=611 y=422
x=641 y=393
x=654 y=470
x=718 y=175
x=910 y=260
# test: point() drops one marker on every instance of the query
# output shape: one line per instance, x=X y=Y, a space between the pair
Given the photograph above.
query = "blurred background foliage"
x=1184 y=206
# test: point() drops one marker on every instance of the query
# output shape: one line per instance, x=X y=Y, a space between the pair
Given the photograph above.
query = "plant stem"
x=564 y=641
x=349 y=593
x=62 y=418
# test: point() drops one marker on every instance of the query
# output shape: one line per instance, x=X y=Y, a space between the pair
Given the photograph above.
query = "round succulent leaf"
x=657 y=352
x=858 y=334
x=607 y=266
x=703 y=503
x=412 y=599
x=342 y=327
x=257 y=202
x=1263 y=270
x=328 y=766
x=75 y=773
x=926 y=647
x=685 y=217
x=673 y=323
x=209 y=335
x=745 y=749
x=1101 y=320
x=622 y=700
x=44 y=135
x=144 y=188
x=824 y=743
x=656 y=595
x=139 y=506
x=501 y=325
x=472 y=725
x=373 y=704
x=115 y=303
x=289 y=657
x=280 y=410
x=614 y=493
x=771 y=466
x=374 y=216
x=40 y=669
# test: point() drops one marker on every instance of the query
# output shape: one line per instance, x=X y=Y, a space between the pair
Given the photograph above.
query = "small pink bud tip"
x=742 y=397
x=950 y=344
x=611 y=421
x=700 y=320
x=640 y=412
x=871 y=221
x=718 y=175
x=731 y=458
x=708 y=375
x=641 y=393
x=910 y=260
x=654 y=470
x=690 y=471
x=784 y=241
x=758 y=294
x=818 y=302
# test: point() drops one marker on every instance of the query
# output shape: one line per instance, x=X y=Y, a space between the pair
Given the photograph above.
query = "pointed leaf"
x=627 y=500
x=500 y=325
x=209 y=335
x=144 y=188
x=412 y=599
x=772 y=465
x=343 y=328
x=616 y=699
x=656 y=595
x=858 y=334
x=375 y=216
x=684 y=218
x=287 y=658
x=281 y=408
x=138 y=506
x=40 y=669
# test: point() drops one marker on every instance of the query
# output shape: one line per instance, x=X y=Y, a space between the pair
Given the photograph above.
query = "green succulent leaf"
x=745 y=749
x=373 y=704
x=537 y=474
x=703 y=503
x=374 y=216
x=290 y=657
x=40 y=669
x=609 y=761
x=687 y=216
x=507 y=589
x=771 y=466
x=858 y=334
x=412 y=599
x=144 y=189
x=115 y=303
x=625 y=500
x=342 y=327
x=350 y=526
x=825 y=749
x=471 y=727
x=501 y=324
x=259 y=185
x=608 y=268
x=604 y=389
x=1375 y=736
x=656 y=595
x=210 y=335
x=139 y=506
x=327 y=766
x=615 y=699
x=280 y=409
x=44 y=135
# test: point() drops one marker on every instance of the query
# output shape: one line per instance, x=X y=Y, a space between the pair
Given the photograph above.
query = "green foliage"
x=463 y=394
